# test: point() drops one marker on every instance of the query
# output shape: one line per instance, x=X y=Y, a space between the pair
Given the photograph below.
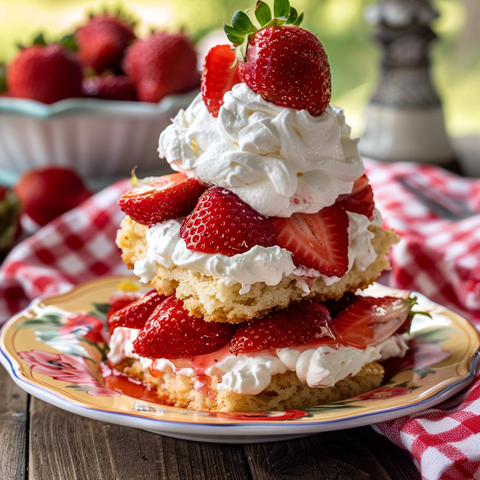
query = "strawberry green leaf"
x=263 y=13
x=281 y=8
x=232 y=35
x=242 y=24
x=292 y=16
x=10 y=210
x=39 y=40
x=69 y=42
x=3 y=78
x=299 y=20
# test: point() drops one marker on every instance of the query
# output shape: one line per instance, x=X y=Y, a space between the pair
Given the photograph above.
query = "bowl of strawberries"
x=94 y=101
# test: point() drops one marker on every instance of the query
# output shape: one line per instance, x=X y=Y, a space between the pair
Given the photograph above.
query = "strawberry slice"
x=165 y=180
x=171 y=333
x=160 y=202
x=369 y=320
x=223 y=223
x=360 y=200
x=136 y=314
x=218 y=76
x=317 y=240
x=298 y=324
x=120 y=299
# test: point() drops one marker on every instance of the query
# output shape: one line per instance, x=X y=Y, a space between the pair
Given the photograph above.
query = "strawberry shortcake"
x=257 y=248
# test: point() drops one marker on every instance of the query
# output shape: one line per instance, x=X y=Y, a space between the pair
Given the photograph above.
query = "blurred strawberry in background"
x=46 y=73
x=103 y=40
x=104 y=59
x=48 y=192
x=162 y=64
x=10 y=229
x=109 y=87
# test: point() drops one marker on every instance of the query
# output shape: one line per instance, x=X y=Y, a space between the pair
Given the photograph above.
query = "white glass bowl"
x=101 y=139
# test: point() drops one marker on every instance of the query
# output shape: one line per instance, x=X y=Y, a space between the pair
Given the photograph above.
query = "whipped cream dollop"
x=278 y=160
x=259 y=264
x=251 y=374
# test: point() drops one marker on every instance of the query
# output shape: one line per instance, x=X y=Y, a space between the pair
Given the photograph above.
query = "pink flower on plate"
x=85 y=325
x=427 y=354
x=385 y=392
x=65 y=368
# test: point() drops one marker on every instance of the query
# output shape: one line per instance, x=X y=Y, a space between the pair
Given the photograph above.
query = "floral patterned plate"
x=54 y=349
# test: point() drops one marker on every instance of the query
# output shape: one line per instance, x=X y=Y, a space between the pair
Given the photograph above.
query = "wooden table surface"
x=41 y=442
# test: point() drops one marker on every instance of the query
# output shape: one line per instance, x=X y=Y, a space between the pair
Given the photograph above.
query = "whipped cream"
x=259 y=264
x=251 y=374
x=278 y=160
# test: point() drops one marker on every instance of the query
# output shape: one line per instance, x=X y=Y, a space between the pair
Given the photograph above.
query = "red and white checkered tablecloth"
x=436 y=257
x=441 y=259
x=74 y=248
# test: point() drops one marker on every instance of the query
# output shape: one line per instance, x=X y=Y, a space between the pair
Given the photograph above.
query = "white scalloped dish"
x=102 y=139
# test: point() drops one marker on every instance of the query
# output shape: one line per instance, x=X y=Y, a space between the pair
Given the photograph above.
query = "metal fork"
x=439 y=203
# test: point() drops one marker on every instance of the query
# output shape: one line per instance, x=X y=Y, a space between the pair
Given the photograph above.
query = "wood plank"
x=397 y=462
x=68 y=447
x=13 y=428
x=65 y=446
x=328 y=456
x=186 y=460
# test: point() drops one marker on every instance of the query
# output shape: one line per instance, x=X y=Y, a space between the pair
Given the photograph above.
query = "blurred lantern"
x=405 y=119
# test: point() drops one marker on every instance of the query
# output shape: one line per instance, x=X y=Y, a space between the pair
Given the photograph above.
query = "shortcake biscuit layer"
x=208 y=297
x=285 y=391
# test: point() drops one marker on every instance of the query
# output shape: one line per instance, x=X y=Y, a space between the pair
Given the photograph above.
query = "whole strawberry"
x=109 y=87
x=285 y=64
x=162 y=64
x=102 y=42
x=46 y=193
x=223 y=223
x=46 y=73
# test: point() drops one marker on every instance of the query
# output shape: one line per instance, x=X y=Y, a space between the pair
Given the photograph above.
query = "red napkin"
x=441 y=259
x=436 y=257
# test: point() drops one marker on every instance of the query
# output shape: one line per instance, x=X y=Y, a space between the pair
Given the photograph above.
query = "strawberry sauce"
x=127 y=386
x=199 y=363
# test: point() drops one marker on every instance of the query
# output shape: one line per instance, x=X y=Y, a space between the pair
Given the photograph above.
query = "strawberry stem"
x=133 y=177
x=412 y=300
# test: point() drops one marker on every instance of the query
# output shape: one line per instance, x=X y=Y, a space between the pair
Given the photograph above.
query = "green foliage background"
x=338 y=23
